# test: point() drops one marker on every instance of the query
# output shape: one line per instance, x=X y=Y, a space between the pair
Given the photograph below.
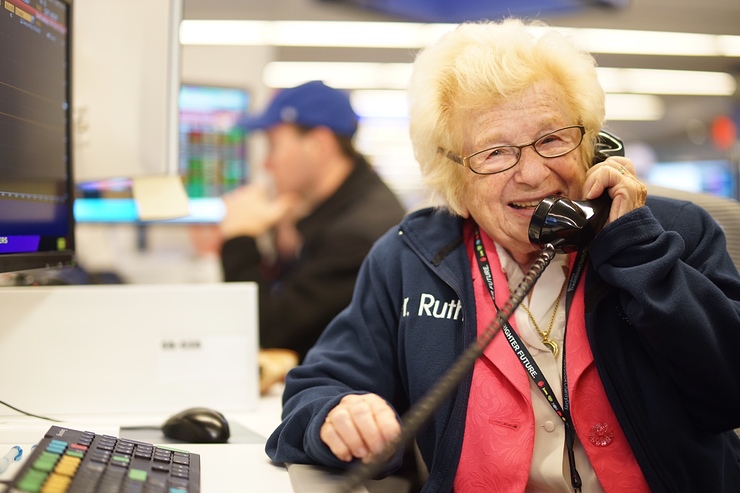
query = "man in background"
x=328 y=208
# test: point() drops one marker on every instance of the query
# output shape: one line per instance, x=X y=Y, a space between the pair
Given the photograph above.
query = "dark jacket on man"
x=298 y=300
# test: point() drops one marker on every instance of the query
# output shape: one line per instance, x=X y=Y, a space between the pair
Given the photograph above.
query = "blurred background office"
x=670 y=69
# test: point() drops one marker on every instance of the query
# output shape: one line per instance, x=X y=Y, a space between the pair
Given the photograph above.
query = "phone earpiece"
x=607 y=145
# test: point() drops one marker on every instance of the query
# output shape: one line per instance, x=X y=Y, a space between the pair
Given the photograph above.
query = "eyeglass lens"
x=500 y=158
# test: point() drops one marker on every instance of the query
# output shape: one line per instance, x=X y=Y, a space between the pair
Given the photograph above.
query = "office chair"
x=725 y=211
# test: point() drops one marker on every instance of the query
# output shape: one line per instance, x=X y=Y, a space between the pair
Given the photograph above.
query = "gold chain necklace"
x=545 y=336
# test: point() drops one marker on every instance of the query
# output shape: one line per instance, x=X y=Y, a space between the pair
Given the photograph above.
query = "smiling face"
x=502 y=204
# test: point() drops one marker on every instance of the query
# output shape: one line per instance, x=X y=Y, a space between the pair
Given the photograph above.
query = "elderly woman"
x=636 y=381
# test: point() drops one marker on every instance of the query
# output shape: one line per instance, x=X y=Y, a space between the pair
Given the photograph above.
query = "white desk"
x=239 y=467
x=224 y=467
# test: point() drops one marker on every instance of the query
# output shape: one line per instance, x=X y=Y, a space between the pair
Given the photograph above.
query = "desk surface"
x=224 y=467
x=240 y=465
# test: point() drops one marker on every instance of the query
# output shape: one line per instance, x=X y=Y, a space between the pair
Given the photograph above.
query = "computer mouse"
x=197 y=425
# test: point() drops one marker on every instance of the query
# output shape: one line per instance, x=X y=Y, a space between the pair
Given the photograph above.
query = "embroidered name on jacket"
x=429 y=306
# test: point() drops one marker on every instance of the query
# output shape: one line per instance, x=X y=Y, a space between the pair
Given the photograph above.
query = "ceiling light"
x=380 y=103
x=729 y=45
x=357 y=75
x=347 y=75
x=311 y=33
x=634 y=107
x=623 y=41
x=677 y=82
x=413 y=35
x=227 y=33
x=356 y=34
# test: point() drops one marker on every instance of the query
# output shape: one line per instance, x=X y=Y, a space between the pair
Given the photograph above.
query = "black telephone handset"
x=570 y=225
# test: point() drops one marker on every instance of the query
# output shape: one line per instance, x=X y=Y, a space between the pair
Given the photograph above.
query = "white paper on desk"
x=160 y=197
x=203 y=359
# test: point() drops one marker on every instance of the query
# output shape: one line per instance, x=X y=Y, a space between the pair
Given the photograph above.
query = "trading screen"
x=34 y=117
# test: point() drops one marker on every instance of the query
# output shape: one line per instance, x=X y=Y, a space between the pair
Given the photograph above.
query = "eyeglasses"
x=501 y=158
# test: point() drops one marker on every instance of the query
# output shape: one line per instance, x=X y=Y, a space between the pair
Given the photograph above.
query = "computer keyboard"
x=72 y=461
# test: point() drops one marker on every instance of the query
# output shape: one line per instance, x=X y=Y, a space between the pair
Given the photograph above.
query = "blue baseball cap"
x=313 y=104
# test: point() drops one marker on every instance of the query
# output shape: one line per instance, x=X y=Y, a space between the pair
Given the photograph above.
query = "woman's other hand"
x=360 y=426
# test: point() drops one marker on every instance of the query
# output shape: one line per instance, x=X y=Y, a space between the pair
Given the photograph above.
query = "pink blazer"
x=499 y=431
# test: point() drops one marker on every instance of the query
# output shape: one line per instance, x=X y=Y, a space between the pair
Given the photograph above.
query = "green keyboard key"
x=137 y=475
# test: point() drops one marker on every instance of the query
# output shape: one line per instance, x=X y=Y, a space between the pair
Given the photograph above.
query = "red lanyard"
x=528 y=362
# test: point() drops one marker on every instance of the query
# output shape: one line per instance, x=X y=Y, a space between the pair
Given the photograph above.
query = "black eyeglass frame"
x=465 y=160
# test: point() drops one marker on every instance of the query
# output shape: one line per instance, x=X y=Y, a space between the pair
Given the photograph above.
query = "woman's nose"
x=532 y=167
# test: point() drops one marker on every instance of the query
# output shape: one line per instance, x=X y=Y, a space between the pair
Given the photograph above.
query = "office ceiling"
x=686 y=118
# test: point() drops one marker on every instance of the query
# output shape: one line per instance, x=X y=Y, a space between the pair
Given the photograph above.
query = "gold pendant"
x=552 y=346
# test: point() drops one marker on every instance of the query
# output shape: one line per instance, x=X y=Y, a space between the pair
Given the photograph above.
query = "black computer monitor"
x=36 y=185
